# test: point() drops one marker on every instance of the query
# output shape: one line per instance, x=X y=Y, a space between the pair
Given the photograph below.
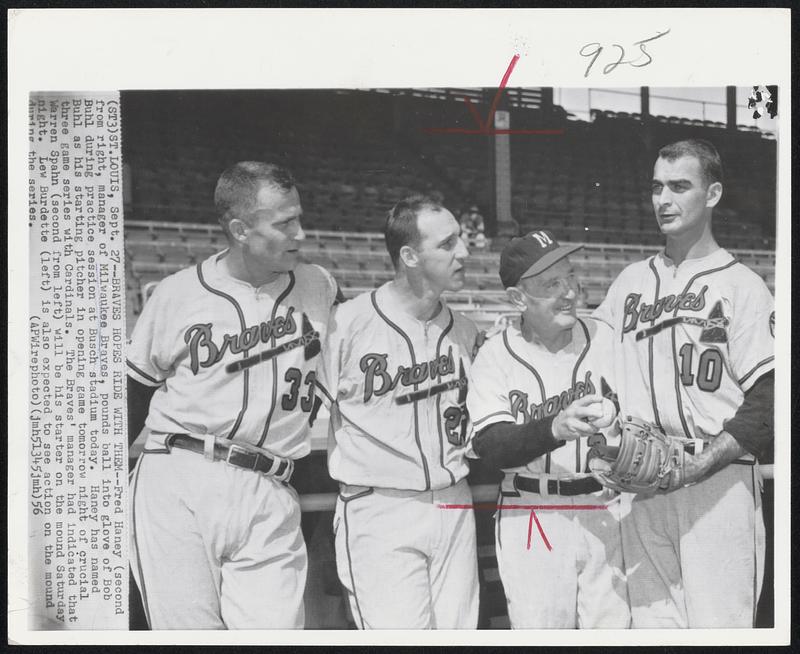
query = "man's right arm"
x=508 y=445
x=139 y=397
x=149 y=352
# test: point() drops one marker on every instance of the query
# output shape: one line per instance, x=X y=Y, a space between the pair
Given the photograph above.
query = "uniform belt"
x=235 y=454
x=583 y=486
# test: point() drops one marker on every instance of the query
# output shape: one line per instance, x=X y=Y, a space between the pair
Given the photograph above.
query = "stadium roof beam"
x=730 y=101
x=644 y=110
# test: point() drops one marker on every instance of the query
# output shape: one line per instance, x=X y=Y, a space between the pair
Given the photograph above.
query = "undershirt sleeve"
x=506 y=445
x=753 y=425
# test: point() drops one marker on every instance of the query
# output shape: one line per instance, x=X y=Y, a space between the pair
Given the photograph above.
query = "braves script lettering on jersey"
x=198 y=322
x=375 y=368
x=517 y=381
x=514 y=380
x=398 y=430
x=202 y=336
x=237 y=362
x=383 y=435
x=689 y=341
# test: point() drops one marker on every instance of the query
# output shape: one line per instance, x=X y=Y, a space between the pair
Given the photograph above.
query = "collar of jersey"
x=396 y=315
x=215 y=274
x=719 y=256
x=517 y=340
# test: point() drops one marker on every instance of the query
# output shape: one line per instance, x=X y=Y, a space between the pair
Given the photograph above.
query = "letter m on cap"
x=543 y=239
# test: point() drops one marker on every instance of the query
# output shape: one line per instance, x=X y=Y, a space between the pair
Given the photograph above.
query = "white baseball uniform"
x=213 y=545
x=560 y=567
x=689 y=341
x=396 y=445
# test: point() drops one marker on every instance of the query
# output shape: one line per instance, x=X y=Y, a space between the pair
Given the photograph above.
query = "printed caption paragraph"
x=78 y=547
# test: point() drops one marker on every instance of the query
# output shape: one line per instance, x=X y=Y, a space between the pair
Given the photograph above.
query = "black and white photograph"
x=328 y=357
x=386 y=211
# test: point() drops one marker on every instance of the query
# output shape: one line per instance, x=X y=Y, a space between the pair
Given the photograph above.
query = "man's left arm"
x=751 y=430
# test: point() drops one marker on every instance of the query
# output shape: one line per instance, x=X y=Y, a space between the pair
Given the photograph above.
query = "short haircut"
x=238 y=185
x=700 y=149
x=401 y=223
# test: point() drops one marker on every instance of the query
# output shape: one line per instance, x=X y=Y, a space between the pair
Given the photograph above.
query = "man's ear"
x=713 y=194
x=409 y=256
x=517 y=298
x=238 y=229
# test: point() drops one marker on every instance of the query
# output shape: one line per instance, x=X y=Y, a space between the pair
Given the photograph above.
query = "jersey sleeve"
x=334 y=293
x=752 y=335
x=339 y=297
x=330 y=360
x=605 y=311
x=601 y=353
x=474 y=337
x=487 y=400
x=151 y=351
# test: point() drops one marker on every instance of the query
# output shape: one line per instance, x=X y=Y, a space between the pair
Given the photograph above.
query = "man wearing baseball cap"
x=535 y=394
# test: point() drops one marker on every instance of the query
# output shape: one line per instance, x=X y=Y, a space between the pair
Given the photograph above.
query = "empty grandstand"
x=355 y=153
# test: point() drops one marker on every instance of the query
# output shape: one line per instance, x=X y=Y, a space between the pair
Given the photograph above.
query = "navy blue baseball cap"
x=529 y=255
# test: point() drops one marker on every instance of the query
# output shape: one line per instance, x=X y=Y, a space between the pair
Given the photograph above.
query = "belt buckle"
x=558 y=485
x=237 y=448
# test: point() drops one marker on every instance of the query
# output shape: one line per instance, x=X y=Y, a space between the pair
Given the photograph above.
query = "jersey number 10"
x=709 y=368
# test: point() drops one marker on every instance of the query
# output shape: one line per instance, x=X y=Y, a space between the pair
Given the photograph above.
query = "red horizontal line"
x=488 y=506
x=491 y=132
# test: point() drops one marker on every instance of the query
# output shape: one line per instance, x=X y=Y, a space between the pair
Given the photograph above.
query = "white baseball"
x=606 y=417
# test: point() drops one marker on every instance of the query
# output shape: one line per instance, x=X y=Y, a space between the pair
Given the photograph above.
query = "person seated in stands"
x=472 y=228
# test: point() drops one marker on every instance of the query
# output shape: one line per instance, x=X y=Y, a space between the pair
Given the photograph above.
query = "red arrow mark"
x=485 y=128
x=535 y=518
x=491 y=506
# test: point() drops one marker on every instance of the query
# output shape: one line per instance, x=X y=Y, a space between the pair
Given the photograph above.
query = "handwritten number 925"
x=594 y=50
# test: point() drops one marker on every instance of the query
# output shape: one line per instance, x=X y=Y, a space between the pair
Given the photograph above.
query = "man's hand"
x=572 y=423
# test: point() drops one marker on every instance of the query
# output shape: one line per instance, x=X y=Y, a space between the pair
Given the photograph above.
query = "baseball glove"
x=645 y=461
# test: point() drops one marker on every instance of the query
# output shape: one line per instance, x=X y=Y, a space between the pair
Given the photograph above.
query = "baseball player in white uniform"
x=222 y=362
x=693 y=350
x=395 y=372
x=535 y=399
